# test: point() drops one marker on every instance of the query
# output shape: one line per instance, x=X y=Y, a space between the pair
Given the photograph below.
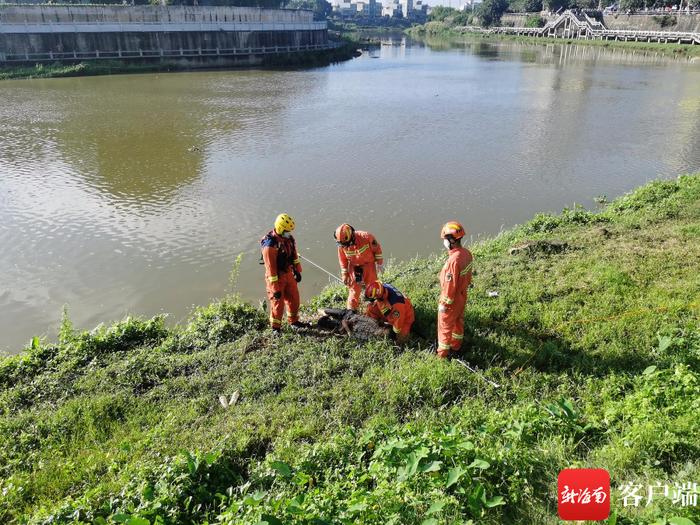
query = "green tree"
x=554 y=5
x=440 y=13
x=631 y=5
x=462 y=18
x=490 y=11
x=534 y=21
x=321 y=8
x=525 y=6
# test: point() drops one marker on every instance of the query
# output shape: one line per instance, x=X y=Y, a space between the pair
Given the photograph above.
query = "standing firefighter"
x=282 y=272
x=388 y=305
x=455 y=277
x=360 y=257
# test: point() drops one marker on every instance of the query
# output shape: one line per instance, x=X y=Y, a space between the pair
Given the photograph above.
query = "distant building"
x=344 y=7
x=412 y=9
x=390 y=8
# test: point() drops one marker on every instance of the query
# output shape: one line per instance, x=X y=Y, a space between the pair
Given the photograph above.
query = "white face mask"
x=286 y=235
x=446 y=243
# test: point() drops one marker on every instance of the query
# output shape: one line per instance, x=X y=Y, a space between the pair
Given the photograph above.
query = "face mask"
x=446 y=243
x=286 y=235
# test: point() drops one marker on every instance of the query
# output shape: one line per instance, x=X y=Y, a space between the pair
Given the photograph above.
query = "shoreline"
x=114 y=67
x=686 y=51
x=592 y=334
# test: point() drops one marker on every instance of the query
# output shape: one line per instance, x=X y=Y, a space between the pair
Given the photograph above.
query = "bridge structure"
x=577 y=24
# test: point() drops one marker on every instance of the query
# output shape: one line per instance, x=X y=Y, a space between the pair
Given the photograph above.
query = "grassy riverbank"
x=80 y=69
x=442 y=30
x=596 y=345
x=115 y=67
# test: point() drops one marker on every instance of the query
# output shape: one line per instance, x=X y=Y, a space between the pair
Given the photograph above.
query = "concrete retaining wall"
x=47 y=33
x=688 y=23
x=142 y=14
x=519 y=19
x=682 y=22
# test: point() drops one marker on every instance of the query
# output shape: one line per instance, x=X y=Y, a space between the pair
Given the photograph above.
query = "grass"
x=596 y=348
x=115 y=67
x=443 y=30
x=57 y=70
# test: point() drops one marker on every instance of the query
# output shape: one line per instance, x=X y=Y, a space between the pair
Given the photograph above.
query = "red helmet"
x=344 y=234
x=375 y=290
x=452 y=229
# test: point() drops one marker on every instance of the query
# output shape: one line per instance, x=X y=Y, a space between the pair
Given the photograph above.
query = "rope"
x=322 y=269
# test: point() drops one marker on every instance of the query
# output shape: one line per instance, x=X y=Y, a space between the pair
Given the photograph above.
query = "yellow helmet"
x=283 y=223
x=452 y=229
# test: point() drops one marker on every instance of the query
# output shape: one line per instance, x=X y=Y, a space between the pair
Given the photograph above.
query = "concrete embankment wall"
x=69 y=33
x=21 y=14
x=519 y=19
x=685 y=23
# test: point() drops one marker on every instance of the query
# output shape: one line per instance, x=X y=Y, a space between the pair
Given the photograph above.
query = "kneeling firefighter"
x=360 y=257
x=282 y=272
x=455 y=277
x=388 y=305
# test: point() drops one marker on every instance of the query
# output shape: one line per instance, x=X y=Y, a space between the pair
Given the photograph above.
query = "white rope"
x=322 y=269
x=465 y=365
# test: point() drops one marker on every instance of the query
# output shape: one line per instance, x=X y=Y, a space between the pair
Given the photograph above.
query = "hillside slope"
x=596 y=346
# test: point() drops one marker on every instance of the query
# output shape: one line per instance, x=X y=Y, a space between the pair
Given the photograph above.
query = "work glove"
x=297 y=276
x=277 y=295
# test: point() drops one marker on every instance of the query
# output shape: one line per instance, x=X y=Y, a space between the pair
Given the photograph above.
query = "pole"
x=322 y=269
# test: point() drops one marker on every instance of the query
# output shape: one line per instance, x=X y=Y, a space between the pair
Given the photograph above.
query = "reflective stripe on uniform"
x=444 y=346
x=385 y=310
x=291 y=315
x=446 y=300
x=275 y=320
x=359 y=251
x=466 y=270
x=396 y=330
x=378 y=257
x=273 y=278
x=457 y=336
x=296 y=261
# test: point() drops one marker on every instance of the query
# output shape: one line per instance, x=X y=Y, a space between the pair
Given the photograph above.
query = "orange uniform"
x=358 y=264
x=395 y=309
x=281 y=262
x=455 y=277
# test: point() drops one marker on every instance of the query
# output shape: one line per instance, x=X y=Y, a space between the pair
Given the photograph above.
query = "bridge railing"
x=150 y=27
x=163 y=53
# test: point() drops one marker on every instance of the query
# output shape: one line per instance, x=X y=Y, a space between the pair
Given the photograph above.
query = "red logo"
x=583 y=494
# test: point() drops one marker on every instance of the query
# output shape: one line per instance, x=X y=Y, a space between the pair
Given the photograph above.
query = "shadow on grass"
x=489 y=343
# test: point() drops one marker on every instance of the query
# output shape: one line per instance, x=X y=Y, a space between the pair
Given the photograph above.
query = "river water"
x=133 y=194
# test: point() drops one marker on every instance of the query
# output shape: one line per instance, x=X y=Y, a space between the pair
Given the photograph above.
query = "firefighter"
x=455 y=277
x=360 y=258
x=388 y=305
x=282 y=272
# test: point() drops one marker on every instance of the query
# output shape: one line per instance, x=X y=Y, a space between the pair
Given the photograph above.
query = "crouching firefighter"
x=282 y=272
x=360 y=257
x=455 y=278
x=388 y=305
